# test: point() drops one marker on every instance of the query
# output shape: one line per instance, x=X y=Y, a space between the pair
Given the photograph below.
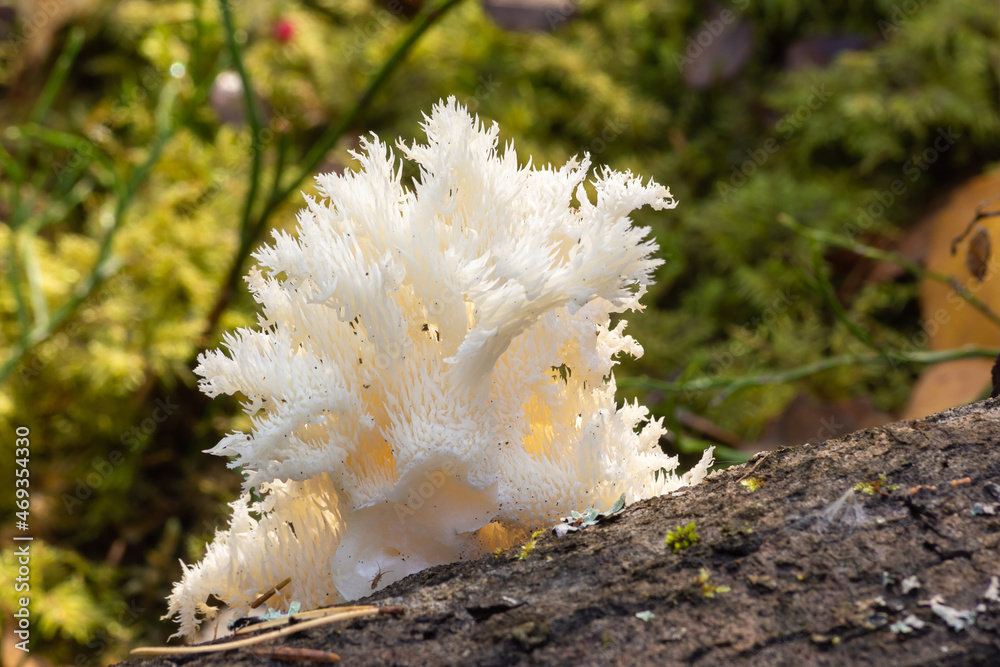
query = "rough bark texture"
x=814 y=577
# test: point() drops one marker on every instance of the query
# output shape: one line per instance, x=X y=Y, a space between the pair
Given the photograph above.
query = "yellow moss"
x=871 y=487
x=709 y=589
x=683 y=537
x=529 y=546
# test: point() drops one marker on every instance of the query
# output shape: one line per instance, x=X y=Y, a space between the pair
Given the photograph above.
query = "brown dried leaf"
x=947 y=319
x=977 y=257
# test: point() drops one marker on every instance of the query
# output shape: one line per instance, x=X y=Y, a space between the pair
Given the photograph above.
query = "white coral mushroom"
x=432 y=373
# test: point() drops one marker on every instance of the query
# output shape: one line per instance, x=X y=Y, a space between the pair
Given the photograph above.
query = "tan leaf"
x=947 y=320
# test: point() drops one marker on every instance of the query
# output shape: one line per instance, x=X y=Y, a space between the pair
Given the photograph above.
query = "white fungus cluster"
x=431 y=375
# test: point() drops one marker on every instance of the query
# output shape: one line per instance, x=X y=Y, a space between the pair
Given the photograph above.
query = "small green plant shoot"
x=683 y=537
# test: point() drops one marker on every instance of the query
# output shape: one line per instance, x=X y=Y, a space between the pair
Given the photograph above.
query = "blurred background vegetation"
x=147 y=147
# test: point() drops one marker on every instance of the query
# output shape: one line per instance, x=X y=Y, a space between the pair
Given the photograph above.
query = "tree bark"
x=878 y=548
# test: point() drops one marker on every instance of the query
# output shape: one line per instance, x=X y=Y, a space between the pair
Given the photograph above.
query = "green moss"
x=682 y=537
x=706 y=587
x=873 y=486
x=529 y=546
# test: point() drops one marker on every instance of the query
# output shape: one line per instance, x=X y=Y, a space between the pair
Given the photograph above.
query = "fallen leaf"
x=948 y=321
x=977 y=257
x=806 y=419
x=947 y=384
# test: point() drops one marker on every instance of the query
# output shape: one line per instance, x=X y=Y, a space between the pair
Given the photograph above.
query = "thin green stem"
x=279 y=166
x=72 y=142
x=252 y=118
x=33 y=274
x=315 y=156
x=58 y=76
x=23 y=320
x=59 y=209
x=885 y=256
x=10 y=166
x=732 y=384
x=825 y=288
x=104 y=265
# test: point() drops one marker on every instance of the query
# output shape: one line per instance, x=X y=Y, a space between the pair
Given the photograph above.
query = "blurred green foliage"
x=124 y=203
